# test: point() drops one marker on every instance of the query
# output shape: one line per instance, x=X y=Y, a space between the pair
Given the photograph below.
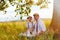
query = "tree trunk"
x=55 y=25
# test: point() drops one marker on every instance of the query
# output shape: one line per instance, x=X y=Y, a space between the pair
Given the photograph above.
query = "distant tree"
x=22 y=6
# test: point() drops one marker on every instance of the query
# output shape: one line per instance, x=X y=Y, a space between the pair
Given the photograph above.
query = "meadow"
x=11 y=30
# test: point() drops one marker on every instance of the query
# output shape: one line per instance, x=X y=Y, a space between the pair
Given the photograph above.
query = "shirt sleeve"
x=27 y=25
x=42 y=26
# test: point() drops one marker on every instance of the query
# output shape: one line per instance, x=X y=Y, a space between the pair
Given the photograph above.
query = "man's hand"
x=39 y=33
x=30 y=30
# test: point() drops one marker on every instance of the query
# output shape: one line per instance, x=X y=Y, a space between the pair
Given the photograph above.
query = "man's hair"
x=36 y=14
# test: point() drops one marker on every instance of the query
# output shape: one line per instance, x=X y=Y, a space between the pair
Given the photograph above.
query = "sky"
x=44 y=13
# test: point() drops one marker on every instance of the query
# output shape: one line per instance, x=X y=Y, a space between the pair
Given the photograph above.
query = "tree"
x=22 y=6
x=55 y=25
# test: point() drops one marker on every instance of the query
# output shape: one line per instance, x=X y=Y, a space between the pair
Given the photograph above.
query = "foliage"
x=22 y=6
x=3 y=5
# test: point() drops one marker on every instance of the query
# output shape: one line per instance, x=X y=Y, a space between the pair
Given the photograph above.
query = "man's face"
x=36 y=17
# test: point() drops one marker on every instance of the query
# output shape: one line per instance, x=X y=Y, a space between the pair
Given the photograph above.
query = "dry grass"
x=11 y=30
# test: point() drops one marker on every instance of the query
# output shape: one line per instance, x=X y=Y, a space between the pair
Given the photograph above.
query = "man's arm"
x=42 y=28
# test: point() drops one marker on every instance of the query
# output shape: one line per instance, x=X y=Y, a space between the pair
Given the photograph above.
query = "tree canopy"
x=22 y=6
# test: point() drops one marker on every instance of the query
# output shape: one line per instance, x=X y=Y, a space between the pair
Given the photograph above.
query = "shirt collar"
x=38 y=20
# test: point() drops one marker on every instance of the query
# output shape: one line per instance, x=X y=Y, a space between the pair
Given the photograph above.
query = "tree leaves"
x=27 y=3
x=3 y=5
x=10 y=0
x=39 y=2
x=19 y=0
x=23 y=7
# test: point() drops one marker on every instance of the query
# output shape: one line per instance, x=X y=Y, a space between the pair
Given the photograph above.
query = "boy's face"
x=36 y=17
x=30 y=19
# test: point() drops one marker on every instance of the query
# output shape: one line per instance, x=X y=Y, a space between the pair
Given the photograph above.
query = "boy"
x=30 y=24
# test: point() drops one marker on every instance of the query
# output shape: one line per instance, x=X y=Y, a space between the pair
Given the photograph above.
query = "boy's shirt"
x=29 y=25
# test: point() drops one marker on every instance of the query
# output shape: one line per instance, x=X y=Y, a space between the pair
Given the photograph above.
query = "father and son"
x=37 y=26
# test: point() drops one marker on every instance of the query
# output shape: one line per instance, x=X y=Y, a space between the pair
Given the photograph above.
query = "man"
x=39 y=25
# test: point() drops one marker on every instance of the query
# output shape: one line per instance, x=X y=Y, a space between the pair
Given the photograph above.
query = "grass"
x=11 y=30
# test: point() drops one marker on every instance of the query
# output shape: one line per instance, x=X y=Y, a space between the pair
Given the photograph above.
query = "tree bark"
x=55 y=24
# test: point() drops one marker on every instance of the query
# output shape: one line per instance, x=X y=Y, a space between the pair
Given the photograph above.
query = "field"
x=11 y=30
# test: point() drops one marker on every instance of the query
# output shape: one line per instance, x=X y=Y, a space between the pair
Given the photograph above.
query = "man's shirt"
x=39 y=26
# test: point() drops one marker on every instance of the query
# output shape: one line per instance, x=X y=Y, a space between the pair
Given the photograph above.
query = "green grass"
x=11 y=30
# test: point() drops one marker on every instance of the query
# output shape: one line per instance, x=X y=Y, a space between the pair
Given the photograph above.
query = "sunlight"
x=44 y=13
